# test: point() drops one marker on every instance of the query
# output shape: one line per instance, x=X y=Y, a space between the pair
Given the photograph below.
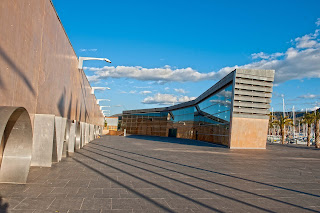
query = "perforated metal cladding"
x=252 y=93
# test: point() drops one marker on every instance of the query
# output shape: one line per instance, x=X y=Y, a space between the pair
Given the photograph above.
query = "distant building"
x=233 y=112
x=112 y=123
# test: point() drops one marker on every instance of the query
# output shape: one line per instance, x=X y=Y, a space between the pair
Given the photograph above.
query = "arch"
x=16 y=144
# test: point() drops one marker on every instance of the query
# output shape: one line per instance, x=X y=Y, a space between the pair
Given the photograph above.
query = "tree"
x=316 y=130
x=271 y=124
x=308 y=119
x=282 y=123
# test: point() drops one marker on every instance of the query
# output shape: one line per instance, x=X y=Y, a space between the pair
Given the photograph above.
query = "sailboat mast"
x=293 y=118
x=284 y=115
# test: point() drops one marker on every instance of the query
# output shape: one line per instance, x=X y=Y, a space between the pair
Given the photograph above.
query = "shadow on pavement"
x=206 y=170
x=194 y=186
x=3 y=206
x=158 y=186
x=176 y=141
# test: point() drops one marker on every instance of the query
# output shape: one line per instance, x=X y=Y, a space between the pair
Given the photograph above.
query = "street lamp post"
x=98 y=100
x=98 y=88
x=104 y=106
x=80 y=66
x=81 y=59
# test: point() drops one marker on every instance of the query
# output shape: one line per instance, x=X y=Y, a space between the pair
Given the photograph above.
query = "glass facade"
x=146 y=123
x=209 y=120
x=212 y=121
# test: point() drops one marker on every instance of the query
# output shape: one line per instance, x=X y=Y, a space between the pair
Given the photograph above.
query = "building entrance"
x=172 y=133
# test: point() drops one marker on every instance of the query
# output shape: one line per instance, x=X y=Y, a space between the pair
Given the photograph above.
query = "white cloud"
x=297 y=62
x=307 y=41
x=93 y=78
x=133 y=92
x=158 y=75
x=318 y=22
x=308 y=96
x=302 y=60
x=180 y=91
x=145 y=92
x=262 y=55
x=314 y=108
x=259 y=55
x=221 y=102
x=100 y=88
x=185 y=99
x=166 y=99
x=167 y=88
x=142 y=87
x=88 y=50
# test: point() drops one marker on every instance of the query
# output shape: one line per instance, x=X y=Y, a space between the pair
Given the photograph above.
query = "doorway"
x=172 y=133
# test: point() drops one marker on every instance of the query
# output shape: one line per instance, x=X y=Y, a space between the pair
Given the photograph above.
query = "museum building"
x=234 y=112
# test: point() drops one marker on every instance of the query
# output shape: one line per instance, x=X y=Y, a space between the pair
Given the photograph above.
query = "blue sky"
x=166 y=52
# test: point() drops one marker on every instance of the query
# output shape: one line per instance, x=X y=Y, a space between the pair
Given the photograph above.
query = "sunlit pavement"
x=154 y=174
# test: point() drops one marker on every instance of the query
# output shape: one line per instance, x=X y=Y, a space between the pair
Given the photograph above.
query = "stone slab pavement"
x=158 y=174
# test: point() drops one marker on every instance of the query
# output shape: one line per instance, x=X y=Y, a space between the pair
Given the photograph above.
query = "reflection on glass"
x=207 y=121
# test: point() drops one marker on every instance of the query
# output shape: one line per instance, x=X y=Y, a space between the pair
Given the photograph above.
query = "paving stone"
x=17 y=211
x=34 y=203
x=52 y=211
x=180 y=204
x=96 y=203
x=9 y=203
x=154 y=174
x=66 y=203
x=99 y=184
x=86 y=193
x=127 y=203
x=111 y=193
x=84 y=211
x=57 y=182
x=65 y=190
x=119 y=211
x=78 y=183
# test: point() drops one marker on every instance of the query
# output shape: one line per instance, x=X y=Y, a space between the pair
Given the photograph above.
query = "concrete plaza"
x=155 y=174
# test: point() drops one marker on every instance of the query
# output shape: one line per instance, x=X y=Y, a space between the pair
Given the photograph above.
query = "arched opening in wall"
x=78 y=136
x=16 y=144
